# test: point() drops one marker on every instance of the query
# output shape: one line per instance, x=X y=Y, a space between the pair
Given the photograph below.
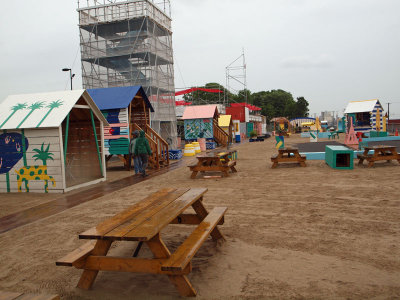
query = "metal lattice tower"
x=126 y=43
x=236 y=77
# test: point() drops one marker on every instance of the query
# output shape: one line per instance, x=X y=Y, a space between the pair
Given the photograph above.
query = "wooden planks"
x=163 y=217
x=75 y=257
x=184 y=254
x=100 y=230
x=144 y=222
x=120 y=232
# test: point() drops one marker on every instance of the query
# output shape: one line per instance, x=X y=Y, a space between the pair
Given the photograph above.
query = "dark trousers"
x=143 y=161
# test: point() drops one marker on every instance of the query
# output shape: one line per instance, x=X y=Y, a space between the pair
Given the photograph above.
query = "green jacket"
x=142 y=145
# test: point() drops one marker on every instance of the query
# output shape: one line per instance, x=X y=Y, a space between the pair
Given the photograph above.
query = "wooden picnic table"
x=214 y=162
x=143 y=222
x=288 y=154
x=381 y=152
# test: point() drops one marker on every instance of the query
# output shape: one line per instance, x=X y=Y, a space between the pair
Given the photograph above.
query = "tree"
x=274 y=103
x=201 y=97
x=302 y=107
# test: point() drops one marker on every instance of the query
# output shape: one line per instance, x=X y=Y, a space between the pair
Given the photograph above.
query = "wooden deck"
x=70 y=200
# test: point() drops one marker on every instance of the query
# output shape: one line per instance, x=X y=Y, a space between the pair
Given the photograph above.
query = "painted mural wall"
x=116 y=136
x=198 y=128
x=30 y=161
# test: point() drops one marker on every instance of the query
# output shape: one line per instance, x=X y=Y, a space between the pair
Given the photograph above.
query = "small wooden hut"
x=367 y=115
x=127 y=109
x=50 y=142
x=226 y=123
x=201 y=121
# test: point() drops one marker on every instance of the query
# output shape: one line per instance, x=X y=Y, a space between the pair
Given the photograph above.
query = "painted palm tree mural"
x=33 y=107
x=14 y=109
x=52 y=105
x=27 y=173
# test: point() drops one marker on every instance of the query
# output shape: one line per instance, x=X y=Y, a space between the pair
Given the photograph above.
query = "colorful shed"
x=127 y=109
x=226 y=123
x=201 y=121
x=50 y=142
x=367 y=115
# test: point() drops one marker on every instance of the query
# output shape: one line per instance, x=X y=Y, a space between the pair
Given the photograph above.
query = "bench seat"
x=76 y=257
x=192 y=165
x=184 y=254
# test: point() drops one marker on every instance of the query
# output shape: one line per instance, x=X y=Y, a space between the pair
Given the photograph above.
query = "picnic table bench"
x=26 y=296
x=288 y=154
x=214 y=162
x=333 y=134
x=143 y=222
x=381 y=152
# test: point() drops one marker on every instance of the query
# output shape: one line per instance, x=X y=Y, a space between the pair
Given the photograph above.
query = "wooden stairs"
x=159 y=147
x=220 y=136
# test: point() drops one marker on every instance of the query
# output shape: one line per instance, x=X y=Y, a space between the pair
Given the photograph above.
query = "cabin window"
x=363 y=119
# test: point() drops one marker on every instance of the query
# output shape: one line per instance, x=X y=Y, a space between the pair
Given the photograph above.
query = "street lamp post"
x=70 y=74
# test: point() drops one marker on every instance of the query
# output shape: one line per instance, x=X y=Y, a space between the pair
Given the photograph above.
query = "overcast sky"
x=328 y=51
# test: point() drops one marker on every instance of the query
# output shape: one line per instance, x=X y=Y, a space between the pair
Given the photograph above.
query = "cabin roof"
x=200 y=112
x=361 y=106
x=42 y=110
x=118 y=97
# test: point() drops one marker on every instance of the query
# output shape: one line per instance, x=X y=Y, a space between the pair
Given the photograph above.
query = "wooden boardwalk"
x=70 y=200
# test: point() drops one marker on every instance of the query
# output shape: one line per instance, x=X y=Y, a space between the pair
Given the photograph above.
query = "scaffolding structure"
x=235 y=78
x=126 y=43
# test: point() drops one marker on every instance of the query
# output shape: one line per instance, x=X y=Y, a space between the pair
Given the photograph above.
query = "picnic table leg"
x=202 y=212
x=88 y=276
x=233 y=169
x=181 y=282
x=136 y=253
x=194 y=174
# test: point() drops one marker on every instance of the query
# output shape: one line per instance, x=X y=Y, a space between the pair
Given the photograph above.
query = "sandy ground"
x=291 y=232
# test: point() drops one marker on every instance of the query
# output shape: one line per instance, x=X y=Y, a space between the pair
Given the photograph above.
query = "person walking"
x=142 y=150
x=136 y=163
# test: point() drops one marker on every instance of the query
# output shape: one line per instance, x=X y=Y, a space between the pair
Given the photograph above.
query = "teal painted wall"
x=198 y=128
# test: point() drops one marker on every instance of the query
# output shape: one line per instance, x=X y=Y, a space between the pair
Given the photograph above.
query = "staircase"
x=220 y=136
x=159 y=147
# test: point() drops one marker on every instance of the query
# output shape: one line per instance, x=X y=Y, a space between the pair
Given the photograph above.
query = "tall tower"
x=127 y=43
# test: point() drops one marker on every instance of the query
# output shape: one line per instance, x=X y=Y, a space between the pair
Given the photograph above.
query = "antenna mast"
x=236 y=77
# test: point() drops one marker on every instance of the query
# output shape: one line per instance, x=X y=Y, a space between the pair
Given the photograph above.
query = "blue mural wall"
x=11 y=150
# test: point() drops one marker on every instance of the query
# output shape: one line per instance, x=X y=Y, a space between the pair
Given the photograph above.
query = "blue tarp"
x=117 y=97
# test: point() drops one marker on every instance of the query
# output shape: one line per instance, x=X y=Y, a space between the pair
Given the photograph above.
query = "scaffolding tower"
x=125 y=43
x=236 y=81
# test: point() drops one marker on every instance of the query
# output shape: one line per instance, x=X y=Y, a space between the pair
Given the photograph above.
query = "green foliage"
x=253 y=133
x=201 y=97
x=274 y=103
